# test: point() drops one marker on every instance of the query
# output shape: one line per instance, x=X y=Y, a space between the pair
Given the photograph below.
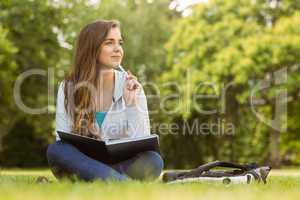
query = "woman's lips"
x=116 y=57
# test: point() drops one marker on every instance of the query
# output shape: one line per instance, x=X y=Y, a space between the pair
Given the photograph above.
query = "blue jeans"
x=66 y=161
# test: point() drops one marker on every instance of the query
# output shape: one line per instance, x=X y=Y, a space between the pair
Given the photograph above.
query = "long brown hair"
x=84 y=76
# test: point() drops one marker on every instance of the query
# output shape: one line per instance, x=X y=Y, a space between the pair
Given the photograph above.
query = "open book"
x=111 y=151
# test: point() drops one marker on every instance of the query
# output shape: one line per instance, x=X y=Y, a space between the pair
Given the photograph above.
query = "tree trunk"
x=274 y=142
x=274 y=139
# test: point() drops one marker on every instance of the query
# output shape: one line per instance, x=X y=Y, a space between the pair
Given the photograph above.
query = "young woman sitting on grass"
x=99 y=101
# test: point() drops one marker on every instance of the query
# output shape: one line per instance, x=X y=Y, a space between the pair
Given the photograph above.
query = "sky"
x=183 y=4
x=179 y=5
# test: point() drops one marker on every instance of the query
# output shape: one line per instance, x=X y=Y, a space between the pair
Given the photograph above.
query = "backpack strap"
x=206 y=167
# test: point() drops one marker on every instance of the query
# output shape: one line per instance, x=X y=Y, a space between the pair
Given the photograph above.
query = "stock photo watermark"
x=180 y=94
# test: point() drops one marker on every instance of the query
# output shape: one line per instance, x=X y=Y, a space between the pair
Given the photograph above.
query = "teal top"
x=100 y=117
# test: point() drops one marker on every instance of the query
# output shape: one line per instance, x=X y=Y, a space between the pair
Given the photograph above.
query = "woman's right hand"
x=131 y=90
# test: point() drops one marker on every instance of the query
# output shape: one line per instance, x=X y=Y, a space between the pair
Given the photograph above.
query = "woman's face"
x=111 y=53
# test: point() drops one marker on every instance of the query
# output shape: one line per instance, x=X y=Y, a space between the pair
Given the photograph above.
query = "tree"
x=236 y=44
x=31 y=43
x=7 y=75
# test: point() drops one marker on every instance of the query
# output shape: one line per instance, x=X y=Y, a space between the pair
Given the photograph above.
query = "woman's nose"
x=117 y=48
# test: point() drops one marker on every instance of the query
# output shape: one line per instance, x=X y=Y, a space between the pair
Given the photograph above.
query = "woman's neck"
x=106 y=79
x=105 y=90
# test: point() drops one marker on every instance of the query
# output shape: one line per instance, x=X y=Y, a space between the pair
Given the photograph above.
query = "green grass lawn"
x=20 y=184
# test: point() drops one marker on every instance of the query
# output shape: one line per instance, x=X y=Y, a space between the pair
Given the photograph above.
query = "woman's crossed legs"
x=66 y=161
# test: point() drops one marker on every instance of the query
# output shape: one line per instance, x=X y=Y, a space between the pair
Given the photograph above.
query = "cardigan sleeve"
x=138 y=123
x=62 y=119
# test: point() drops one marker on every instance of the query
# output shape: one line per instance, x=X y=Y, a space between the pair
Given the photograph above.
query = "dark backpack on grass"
x=235 y=173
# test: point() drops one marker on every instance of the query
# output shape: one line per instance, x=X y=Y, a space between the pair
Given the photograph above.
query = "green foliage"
x=236 y=43
x=44 y=33
x=7 y=75
x=28 y=150
x=228 y=43
x=29 y=29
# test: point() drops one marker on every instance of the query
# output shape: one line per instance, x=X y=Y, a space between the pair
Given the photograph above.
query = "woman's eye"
x=111 y=43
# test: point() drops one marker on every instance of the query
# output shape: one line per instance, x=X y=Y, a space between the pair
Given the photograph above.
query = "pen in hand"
x=129 y=76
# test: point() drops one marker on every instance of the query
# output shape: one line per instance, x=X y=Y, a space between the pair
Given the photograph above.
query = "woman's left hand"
x=131 y=90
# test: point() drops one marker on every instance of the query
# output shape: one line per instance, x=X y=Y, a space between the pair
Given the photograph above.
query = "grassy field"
x=20 y=184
